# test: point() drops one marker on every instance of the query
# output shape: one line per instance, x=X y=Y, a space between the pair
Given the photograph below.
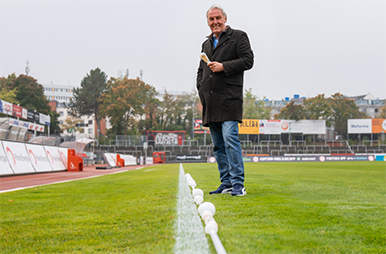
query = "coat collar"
x=227 y=32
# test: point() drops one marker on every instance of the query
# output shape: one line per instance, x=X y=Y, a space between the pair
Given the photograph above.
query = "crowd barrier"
x=26 y=158
x=21 y=158
x=114 y=159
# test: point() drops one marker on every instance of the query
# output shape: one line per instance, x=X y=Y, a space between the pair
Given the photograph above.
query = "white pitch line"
x=189 y=233
x=64 y=181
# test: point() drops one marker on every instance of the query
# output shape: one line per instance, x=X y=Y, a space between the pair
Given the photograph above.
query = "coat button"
x=210 y=76
x=211 y=91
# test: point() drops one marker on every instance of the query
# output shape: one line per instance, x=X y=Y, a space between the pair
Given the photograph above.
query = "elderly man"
x=220 y=86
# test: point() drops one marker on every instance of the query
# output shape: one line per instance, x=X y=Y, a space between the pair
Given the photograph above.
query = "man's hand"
x=216 y=66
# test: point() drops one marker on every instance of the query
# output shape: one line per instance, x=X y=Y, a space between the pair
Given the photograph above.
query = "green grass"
x=130 y=212
x=331 y=207
x=336 y=207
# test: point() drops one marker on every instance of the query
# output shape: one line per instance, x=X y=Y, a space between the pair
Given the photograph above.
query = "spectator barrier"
x=114 y=159
x=21 y=158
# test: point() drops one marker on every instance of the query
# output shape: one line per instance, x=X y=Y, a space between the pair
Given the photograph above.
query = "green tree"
x=342 y=110
x=70 y=124
x=30 y=95
x=318 y=108
x=164 y=111
x=291 y=112
x=6 y=92
x=87 y=99
x=382 y=112
x=9 y=95
x=253 y=108
x=124 y=102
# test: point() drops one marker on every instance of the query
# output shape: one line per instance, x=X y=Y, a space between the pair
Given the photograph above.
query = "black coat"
x=221 y=93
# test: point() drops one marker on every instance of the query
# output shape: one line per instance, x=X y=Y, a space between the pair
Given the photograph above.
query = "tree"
x=88 y=98
x=382 y=112
x=9 y=95
x=70 y=124
x=291 y=112
x=124 y=101
x=30 y=95
x=254 y=108
x=318 y=108
x=165 y=111
x=342 y=110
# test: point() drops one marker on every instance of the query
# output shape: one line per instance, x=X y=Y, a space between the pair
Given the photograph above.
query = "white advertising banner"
x=313 y=126
x=19 y=123
x=63 y=152
x=303 y=126
x=36 y=127
x=54 y=158
x=111 y=159
x=129 y=159
x=5 y=169
x=18 y=157
x=38 y=158
x=359 y=126
x=44 y=119
x=270 y=126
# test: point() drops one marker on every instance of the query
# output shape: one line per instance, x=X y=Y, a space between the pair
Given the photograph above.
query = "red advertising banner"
x=198 y=128
x=16 y=111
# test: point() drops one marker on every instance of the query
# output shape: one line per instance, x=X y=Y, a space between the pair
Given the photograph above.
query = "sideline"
x=71 y=176
x=189 y=233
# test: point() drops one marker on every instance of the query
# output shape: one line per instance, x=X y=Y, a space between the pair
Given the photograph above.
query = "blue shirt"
x=215 y=40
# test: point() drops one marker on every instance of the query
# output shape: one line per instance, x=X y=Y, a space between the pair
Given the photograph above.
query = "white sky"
x=303 y=47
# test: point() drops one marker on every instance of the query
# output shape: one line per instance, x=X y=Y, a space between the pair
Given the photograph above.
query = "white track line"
x=65 y=181
x=189 y=233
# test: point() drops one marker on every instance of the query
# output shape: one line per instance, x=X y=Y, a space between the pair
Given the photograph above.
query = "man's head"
x=217 y=19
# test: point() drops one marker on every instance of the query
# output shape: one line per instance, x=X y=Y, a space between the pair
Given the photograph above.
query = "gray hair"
x=215 y=6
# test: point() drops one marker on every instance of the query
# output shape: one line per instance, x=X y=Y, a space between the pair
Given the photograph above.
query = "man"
x=220 y=87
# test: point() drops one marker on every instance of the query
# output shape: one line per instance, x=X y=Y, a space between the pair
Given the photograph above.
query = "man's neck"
x=218 y=35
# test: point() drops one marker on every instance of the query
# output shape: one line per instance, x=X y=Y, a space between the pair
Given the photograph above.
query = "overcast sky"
x=306 y=47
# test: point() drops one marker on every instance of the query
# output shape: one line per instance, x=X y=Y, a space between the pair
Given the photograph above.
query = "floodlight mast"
x=27 y=68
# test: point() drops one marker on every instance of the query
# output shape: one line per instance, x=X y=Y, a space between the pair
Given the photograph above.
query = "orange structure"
x=159 y=157
x=120 y=161
x=75 y=163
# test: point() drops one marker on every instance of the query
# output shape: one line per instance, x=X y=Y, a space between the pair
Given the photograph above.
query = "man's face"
x=216 y=21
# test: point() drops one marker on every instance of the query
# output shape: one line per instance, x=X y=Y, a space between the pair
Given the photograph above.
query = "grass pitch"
x=309 y=207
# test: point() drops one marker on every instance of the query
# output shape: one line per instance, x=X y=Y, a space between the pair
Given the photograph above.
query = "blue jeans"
x=227 y=151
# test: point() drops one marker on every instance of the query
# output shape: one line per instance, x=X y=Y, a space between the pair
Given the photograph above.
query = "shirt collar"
x=214 y=36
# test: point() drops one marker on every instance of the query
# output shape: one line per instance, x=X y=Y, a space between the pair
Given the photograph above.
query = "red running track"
x=11 y=183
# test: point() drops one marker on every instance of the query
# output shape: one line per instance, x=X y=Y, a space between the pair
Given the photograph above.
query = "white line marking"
x=189 y=233
x=65 y=181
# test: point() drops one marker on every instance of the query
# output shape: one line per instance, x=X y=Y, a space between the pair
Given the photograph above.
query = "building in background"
x=58 y=96
x=366 y=103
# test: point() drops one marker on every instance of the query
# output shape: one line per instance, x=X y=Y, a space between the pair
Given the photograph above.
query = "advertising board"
x=249 y=126
x=63 y=153
x=53 y=155
x=378 y=125
x=359 y=126
x=38 y=158
x=18 y=157
x=5 y=168
x=111 y=159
